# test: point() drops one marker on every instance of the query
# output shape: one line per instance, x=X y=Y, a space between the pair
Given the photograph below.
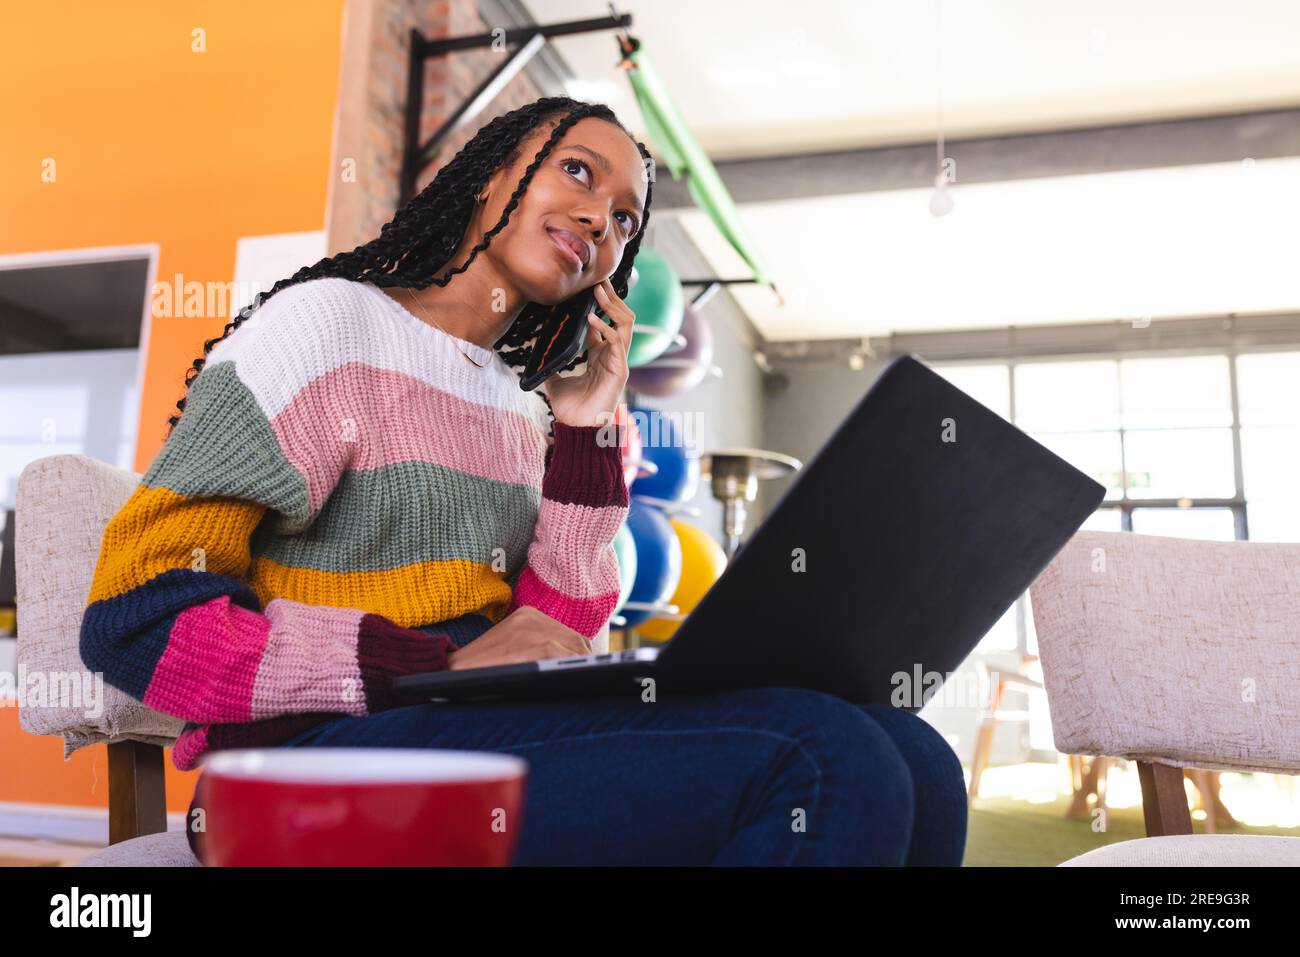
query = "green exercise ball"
x=625 y=551
x=657 y=302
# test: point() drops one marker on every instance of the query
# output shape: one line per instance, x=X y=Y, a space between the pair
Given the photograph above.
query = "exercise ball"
x=625 y=552
x=703 y=562
x=676 y=371
x=658 y=558
x=657 y=302
x=662 y=443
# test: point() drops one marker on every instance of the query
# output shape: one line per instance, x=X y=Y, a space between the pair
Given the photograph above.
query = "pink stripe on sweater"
x=335 y=432
x=190 y=745
x=217 y=640
x=571 y=548
x=584 y=615
x=310 y=663
x=314 y=433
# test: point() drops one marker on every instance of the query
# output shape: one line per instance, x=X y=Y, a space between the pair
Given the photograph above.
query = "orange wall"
x=155 y=143
x=35 y=772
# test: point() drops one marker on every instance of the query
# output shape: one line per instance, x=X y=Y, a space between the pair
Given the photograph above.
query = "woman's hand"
x=525 y=634
x=591 y=398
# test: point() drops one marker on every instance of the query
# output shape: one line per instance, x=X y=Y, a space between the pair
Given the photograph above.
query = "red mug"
x=359 y=807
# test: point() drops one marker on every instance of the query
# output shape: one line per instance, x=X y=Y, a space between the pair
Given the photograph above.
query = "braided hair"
x=425 y=233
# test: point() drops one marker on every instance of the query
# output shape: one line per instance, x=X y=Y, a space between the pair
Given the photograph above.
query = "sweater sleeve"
x=172 y=617
x=572 y=571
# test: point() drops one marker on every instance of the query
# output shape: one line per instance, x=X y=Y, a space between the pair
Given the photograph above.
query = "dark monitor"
x=8 y=573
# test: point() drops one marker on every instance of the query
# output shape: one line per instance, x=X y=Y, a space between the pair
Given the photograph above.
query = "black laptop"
x=892 y=552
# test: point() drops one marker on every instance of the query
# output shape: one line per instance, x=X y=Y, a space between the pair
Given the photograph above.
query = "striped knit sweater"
x=344 y=500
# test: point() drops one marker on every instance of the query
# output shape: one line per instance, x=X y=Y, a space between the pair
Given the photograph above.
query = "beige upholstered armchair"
x=1175 y=653
x=64 y=503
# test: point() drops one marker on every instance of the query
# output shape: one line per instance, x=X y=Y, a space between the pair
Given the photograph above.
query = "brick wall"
x=367 y=150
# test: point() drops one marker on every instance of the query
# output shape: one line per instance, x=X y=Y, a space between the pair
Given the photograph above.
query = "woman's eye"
x=578 y=163
x=629 y=223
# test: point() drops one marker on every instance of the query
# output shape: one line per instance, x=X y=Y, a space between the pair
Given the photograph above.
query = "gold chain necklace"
x=454 y=339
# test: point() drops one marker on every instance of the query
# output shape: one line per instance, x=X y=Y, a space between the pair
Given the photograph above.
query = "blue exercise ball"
x=658 y=558
x=662 y=442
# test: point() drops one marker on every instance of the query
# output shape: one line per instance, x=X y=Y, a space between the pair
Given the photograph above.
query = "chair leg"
x=1075 y=762
x=983 y=745
x=1208 y=800
x=1164 y=802
x=1092 y=781
x=137 y=790
x=1200 y=779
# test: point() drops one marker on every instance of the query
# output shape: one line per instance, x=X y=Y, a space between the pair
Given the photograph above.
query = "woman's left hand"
x=592 y=397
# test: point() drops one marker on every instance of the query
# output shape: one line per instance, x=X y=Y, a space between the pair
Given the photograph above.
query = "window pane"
x=1211 y=523
x=1167 y=393
x=1103 y=520
x=1268 y=388
x=1067 y=396
x=988 y=385
x=1273 y=522
x=1186 y=463
x=130 y=412
x=53 y=413
x=1031 y=633
x=1093 y=453
x=1002 y=636
x=1270 y=462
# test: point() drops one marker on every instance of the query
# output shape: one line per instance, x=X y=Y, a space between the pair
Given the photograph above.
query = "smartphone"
x=562 y=338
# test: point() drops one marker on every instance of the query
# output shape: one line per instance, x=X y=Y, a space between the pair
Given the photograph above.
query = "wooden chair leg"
x=1200 y=780
x=1208 y=800
x=1090 y=782
x=983 y=745
x=1164 y=802
x=137 y=790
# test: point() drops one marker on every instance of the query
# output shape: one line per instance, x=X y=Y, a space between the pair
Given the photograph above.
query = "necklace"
x=454 y=339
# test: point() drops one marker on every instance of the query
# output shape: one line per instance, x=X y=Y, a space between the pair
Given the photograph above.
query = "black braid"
x=424 y=234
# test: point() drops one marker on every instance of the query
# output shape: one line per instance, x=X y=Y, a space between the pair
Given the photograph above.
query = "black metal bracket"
x=417 y=156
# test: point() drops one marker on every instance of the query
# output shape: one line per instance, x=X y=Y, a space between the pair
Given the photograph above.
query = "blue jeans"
x=763 y=776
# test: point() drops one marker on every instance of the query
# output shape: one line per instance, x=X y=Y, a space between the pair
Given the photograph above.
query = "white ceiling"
x=1193 y=240
x=750 y=81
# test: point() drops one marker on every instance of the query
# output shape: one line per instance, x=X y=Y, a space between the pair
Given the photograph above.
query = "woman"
x=357 y=489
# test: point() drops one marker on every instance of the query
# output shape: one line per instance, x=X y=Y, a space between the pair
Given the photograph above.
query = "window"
x=1203 y=446
x=66 y=402
x=1268 y=389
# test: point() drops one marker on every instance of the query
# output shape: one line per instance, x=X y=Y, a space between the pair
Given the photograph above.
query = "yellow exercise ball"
x=703 y=561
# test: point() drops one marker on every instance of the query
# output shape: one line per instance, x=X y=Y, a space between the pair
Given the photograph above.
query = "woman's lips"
x=566 y=250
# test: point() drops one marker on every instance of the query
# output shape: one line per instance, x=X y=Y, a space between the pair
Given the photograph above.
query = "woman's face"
x=588 y=193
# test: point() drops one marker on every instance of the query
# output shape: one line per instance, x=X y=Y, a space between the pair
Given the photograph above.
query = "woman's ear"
x=495 y=183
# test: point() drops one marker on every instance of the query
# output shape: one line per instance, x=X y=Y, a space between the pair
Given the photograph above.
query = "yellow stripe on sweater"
x=158 y=530
x=420 y=593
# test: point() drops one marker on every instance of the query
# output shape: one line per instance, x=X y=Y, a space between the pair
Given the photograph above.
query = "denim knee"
x=871 y=777
x=920 y=737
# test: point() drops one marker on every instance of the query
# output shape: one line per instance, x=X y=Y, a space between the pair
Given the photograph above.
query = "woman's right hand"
x=525 y=634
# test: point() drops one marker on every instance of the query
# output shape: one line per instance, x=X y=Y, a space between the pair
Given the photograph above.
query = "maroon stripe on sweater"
x=252 y=734
x=386 y=650
x=586 y=466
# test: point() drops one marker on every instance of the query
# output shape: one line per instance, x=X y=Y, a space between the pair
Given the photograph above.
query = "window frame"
x=1237 y=503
